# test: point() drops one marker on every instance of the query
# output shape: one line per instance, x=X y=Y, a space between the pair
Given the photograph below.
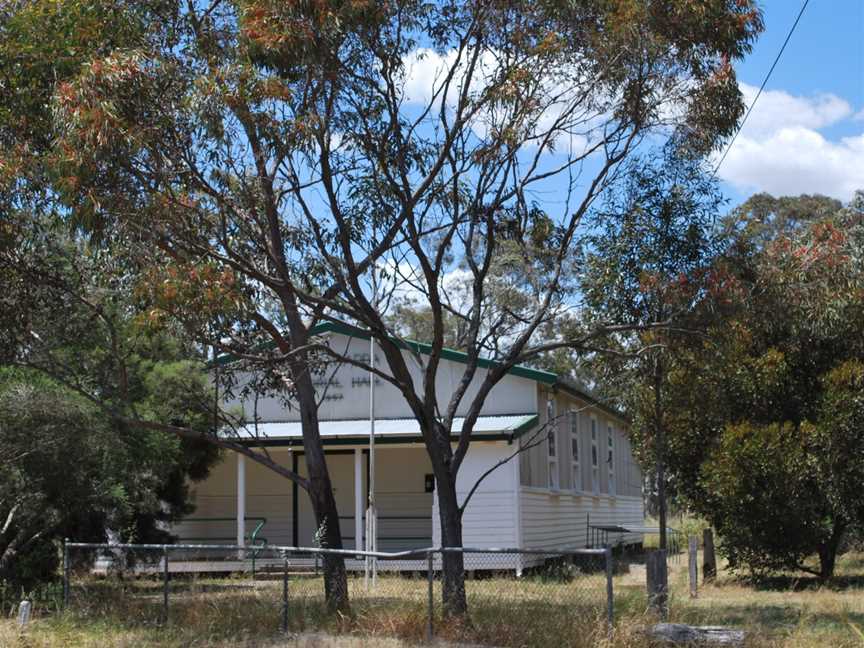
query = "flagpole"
x=371 y=512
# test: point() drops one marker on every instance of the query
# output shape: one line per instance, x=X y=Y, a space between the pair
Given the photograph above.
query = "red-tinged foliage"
x=191 y=292
x=284 y=140
x=301 y=27
x=765 y=434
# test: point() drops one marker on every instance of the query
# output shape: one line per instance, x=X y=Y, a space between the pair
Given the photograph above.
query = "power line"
x=762 y=87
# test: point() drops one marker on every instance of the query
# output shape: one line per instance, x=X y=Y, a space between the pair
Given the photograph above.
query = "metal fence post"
x=164 y=583
x=65 y=573
x=610 y=600
x=284 y=592
x=431 y=578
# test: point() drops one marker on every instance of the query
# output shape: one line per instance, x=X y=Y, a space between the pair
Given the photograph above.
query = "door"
x=341 y=468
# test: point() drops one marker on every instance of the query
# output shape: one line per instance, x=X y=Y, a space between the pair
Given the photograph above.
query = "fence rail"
x=527 y=592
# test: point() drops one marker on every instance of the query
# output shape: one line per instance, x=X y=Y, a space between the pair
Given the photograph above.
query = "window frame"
x=575 y=462
x=554 y=478
x=595 y=456
x=610 y=456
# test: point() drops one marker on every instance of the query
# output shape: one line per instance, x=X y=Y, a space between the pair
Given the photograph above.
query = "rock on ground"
x=679 y=633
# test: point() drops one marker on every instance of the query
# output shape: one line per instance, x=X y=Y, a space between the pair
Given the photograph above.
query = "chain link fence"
x=513 y=597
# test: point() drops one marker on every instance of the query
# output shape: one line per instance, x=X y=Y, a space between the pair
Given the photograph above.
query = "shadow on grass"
x=800 y=583
x=766 y=617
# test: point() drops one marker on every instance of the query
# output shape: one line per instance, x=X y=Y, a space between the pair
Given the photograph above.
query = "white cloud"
x=797 y=160
x=425 y=74
x=426 y=71
x=780 y=150
x=776 y=109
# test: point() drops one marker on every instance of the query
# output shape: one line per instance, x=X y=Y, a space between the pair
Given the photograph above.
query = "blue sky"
x=806 y=133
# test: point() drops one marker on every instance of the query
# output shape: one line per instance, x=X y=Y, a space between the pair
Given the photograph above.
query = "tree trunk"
x=7 y=556
x=330 y=536
x=321 y=493
x=661 y=502
x=709 y=559
x=453 y=584
x=660 y=440
x=828 y=554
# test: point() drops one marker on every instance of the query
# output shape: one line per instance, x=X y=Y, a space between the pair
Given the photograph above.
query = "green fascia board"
x=343 y=441
x=545 y=377
x=524 y=426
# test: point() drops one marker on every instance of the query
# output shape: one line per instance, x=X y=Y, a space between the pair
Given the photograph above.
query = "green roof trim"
x=545 y=377
x=407 y=440
x=524 y=426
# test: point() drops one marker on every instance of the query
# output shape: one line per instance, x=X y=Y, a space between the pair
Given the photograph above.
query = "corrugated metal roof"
x=404 y=427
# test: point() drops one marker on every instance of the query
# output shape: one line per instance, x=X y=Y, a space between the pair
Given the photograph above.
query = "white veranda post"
x=371 y=513
x=358 y=499
x=241 y=500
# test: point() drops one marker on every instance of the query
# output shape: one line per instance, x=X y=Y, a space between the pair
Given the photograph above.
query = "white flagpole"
x=371 y=512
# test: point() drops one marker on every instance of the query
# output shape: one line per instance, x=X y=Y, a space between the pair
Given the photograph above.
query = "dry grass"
x=505 y=612
x=791 y=612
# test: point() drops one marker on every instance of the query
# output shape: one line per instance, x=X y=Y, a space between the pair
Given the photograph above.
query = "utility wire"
x=762 y=87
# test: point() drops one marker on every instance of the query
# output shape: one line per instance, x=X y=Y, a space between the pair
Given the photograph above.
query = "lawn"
x=793 y=613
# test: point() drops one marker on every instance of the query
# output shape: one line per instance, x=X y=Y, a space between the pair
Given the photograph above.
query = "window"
x=551 y=444
x=595 y=468
x=575 y=473
x=610 y=458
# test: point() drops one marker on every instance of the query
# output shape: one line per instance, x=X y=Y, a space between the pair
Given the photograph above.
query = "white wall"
x=491 y=518
x=561 y=520
x=347 y=396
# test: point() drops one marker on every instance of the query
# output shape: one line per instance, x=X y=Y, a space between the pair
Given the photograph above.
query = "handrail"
x=253 y=537
x=392 y=517
x=287 y=549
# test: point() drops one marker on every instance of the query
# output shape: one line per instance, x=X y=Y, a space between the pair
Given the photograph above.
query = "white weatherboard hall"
x=582 y=475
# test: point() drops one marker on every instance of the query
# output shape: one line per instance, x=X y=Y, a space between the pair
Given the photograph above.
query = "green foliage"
x=653 y=240
x=766 y=416
x=646 y=266
x=758 y=480
x=70 y=471
x=72 y=465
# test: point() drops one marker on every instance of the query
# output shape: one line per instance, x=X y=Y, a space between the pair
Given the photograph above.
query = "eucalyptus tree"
x=766 y=424
x=263 y=159
x=188 y=270
x=648 y=261
x=485 y=108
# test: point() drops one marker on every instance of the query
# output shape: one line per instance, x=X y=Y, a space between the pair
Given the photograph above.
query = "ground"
x=785 y=613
